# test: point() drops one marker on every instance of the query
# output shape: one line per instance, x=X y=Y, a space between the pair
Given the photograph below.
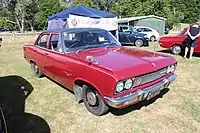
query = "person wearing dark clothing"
x=193 y=33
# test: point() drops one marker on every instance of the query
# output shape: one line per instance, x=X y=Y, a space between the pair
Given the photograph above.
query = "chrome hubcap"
x=36 y=68
x=91 y=97
x=153 y=39
x=138 y=43
x=177 y=49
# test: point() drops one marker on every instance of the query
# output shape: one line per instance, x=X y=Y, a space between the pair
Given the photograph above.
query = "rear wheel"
x=153 y=38
x=94 y=102
x=176 y=49
x=139 y=42
x=36 y=70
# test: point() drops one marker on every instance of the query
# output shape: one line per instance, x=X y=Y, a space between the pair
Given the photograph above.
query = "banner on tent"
x=87 y=22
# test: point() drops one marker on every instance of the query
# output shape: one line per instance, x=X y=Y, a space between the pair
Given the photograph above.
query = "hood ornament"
x=91 y=60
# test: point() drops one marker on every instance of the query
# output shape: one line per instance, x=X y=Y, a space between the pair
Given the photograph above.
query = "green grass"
x=176 y=112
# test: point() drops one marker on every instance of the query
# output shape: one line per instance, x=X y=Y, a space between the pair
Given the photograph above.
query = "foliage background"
x=32 y=14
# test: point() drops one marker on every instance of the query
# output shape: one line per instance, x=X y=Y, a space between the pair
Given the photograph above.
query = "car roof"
x=73 y=30
x=143 y=27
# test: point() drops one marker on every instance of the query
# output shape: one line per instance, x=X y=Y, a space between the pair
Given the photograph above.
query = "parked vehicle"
x=152 y=34
x=167 y=28
x=128 y=37
x=101 y=72
x=177 y=43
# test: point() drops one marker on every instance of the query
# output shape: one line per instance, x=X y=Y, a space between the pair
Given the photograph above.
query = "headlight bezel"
x=117 y=86
x=124 y=81
x=171 y=68
x=129 y=84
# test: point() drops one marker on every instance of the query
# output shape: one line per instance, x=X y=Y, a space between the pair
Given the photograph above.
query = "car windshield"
x=133 y=29
x=80 y=40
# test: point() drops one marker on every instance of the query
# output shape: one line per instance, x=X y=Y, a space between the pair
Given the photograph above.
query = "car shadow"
x=63 y=87
x=139 y=105
x=13 y=92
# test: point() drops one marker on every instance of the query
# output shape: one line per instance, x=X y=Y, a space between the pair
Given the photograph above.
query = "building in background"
x=155 y=22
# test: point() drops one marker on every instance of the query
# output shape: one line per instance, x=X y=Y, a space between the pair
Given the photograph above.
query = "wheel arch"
x=79 y=86
x=31 y=61
x=181 y=45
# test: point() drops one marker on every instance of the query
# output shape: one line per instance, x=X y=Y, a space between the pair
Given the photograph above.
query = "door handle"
x=35 y=50
x=46 y=53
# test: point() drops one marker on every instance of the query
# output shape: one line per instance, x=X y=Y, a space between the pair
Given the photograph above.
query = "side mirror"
x=91 y=60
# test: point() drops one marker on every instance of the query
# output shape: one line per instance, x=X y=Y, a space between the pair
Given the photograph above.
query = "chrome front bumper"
x=139 y=95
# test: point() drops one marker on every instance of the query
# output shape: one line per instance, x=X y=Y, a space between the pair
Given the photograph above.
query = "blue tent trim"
x=81 y=11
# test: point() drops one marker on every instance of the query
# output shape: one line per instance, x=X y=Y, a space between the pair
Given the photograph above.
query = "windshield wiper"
x=86 y=47
x=110 y=44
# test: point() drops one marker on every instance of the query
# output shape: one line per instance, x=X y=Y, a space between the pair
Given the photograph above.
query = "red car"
x=101 y=72
x=177 y=43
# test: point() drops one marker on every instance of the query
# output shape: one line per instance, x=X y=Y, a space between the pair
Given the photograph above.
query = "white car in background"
x=152 y=34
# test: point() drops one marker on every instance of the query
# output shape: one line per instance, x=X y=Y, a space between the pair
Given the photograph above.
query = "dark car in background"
x=128 y=37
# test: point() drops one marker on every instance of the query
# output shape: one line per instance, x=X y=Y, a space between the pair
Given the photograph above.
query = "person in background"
x=193 y=33
x=1 y=41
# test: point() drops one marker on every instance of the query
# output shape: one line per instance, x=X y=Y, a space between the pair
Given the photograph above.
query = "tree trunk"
x=32 y=28
x=23 y=21
x=18 y=23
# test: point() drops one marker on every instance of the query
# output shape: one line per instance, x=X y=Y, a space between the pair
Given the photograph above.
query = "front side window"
x=42 y=41
x=88 y=39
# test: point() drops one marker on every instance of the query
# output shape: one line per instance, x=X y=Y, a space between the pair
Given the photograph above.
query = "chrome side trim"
x=140 y=94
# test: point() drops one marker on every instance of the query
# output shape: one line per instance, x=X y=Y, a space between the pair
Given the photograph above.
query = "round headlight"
x=119 y=87
x=172 y=68
x=128 y=84
x=168 y=69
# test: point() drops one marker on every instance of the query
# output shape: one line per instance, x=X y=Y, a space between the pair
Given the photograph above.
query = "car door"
x=57 y=65
x=122 y=37
x=38 y=51
x=148 y=32
x=126 y=37
x=197 y=48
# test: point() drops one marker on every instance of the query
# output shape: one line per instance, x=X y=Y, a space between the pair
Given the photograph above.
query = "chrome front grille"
x=149 y=77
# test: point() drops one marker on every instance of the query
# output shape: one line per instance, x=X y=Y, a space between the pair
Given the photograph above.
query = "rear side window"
x=147 y=30
x=139 y=30
x=54 y=43
x=42 y=42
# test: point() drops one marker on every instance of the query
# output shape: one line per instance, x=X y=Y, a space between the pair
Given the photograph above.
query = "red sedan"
x=101 y=72
x=177 y=43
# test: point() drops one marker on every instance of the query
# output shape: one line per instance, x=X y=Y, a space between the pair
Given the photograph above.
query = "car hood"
x=125 y=62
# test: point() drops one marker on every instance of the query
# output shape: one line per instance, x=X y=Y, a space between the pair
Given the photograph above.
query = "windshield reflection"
x=81 y=40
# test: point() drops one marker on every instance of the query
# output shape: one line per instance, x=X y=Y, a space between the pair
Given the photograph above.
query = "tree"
x=18 y=10
x=31 y=11
x=45 y=9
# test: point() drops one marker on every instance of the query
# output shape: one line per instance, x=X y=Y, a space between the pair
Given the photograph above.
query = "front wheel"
x=94 y=102
x=139 y=42
x=176 y=49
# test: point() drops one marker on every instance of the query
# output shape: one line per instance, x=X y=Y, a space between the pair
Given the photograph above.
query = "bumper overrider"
x=146 y=93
